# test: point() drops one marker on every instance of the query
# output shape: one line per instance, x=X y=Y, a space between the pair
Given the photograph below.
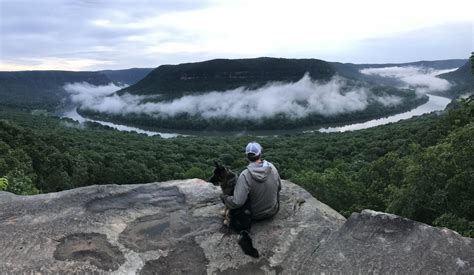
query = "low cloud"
x=423 y=79
x=295 y=100
x=389 y=100
x=99 y=98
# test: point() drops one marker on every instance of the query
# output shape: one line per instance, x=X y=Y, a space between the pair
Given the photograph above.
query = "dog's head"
x=224 y=178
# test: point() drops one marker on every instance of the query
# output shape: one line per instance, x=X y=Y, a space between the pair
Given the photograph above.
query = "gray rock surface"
x=175 y=228
x=380 y=243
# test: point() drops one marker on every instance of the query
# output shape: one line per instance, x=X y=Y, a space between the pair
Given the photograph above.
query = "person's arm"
x=241 y=193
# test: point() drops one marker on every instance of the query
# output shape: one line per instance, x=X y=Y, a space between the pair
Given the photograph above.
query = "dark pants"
x=241 y=218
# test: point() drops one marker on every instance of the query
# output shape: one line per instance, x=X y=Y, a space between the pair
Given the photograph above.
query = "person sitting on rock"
x=259 y=183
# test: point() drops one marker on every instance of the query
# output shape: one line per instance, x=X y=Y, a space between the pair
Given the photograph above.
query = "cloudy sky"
x=117 y=34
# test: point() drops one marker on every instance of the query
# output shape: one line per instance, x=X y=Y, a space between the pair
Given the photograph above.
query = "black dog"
x=239 y=219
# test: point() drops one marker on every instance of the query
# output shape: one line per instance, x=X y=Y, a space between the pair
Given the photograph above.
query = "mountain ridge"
x=46 y=91
x=253 y=75
x=188 y=77
x=226 y=74
x=435 y=64
x=42 y=89
x=463 y=79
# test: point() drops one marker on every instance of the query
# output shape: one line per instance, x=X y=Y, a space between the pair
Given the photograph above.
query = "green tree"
x=195 y=172
x=20 y=184
x=461 y=225
x=3 y=184
x=332 y=187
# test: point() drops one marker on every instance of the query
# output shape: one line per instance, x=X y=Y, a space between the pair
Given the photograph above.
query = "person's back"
x=264 y=183
x=260 y=183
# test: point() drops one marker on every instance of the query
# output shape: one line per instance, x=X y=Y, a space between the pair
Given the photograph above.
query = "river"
x=435 y=103
x=74 y=115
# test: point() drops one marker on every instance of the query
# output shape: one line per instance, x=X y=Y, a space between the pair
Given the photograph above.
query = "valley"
x=419 y=167
x=267 y=95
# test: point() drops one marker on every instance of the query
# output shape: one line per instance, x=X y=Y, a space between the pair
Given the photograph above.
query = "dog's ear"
x=218 y=166
x=216 y=175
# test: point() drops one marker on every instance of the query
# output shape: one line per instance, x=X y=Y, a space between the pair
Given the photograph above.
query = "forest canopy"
x=421 y=168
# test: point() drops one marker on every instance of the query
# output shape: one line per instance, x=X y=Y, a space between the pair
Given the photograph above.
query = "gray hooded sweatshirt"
x=261 y=183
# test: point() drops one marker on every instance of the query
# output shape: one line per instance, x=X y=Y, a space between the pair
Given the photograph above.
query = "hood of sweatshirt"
x=259 y=171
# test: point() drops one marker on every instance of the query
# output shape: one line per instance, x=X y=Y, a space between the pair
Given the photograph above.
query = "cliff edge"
x=175 y=227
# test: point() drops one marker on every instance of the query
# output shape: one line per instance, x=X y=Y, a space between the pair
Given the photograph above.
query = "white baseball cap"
x=253 y=148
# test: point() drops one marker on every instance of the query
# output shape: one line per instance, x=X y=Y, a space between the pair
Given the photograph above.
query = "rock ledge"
x=174 y=227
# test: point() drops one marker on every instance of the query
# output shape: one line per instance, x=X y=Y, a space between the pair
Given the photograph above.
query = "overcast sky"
x=117 y=34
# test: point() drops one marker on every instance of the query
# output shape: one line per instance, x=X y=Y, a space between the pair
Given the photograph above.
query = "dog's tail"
x=245 y=242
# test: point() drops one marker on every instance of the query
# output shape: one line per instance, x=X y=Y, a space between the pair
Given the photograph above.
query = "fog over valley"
x=294 y=100
x=423 y=79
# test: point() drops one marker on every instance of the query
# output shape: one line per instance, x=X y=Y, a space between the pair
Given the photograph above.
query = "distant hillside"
x=352 y=71
x=128 y=76
x=44 y=89
x=225 y=74
x=463 y=78
x=171 y=82
x=436 y=64
x=41 y=89
x=463 y=74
